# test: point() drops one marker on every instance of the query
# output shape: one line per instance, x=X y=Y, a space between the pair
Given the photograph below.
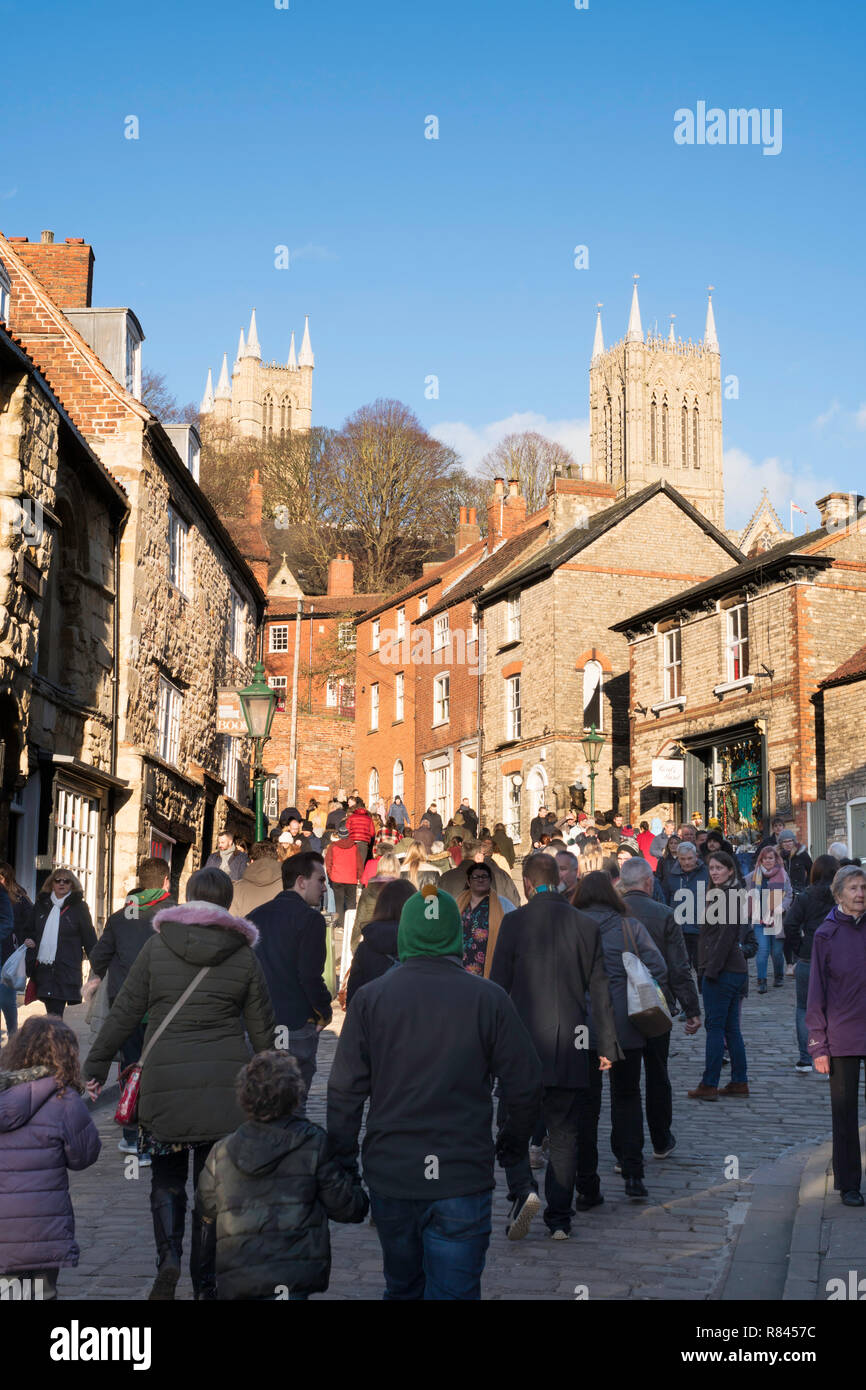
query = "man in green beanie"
x=423 y=1043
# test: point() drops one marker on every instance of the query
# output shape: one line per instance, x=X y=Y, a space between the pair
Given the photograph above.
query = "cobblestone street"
x=674 y=1246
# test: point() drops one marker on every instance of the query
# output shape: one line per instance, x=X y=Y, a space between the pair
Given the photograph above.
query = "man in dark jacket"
x=548 y=958
x=538 y=825
x=434 y=820
x=126 y=931
x=227 y=856
x=470 y=817
x=422 y=1042
x=291 y=949
x=636 y=885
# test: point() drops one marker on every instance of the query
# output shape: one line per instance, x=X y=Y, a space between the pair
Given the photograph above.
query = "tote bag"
x=647 y=1006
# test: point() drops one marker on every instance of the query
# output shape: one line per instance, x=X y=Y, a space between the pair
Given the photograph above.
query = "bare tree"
x=161 y=403
x=532 y=459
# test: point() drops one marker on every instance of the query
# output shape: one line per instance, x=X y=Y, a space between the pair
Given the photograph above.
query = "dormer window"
x=5 y=293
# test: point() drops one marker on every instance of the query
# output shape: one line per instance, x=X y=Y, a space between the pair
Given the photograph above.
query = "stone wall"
x=844 y=710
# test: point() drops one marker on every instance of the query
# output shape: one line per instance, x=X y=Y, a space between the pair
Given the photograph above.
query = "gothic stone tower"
x=656 y=412
x=262 y=400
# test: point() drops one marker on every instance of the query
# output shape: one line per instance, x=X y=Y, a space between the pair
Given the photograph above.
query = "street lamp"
x=592 y=743
x=258 y=702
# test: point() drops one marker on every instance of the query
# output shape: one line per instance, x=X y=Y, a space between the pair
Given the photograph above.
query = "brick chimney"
x=837 y=509
x=341 y=575
x=572 y=500
x=254 y=501
x=468 y=530
x=506 y=511
x=64 y=268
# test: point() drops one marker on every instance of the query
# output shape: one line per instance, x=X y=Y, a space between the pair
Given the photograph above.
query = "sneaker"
x=735 y=1088
x=536 y=1156
x=127 y=1148
x=617 y=1167
x=667 y=1150
x=762 y=986
x=853 y=1198
x=777 y=984
x=522 y=1211
x=559 y=1234
x=803 y=1066
x=584 y=1203
x=726 y=1061
x=635 y=1189
x=703 y=1092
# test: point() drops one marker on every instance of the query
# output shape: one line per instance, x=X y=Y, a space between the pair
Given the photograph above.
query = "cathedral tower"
x=656 y=412
x=262 y=400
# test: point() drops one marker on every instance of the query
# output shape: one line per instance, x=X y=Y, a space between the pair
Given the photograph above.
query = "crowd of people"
x=215 y=1007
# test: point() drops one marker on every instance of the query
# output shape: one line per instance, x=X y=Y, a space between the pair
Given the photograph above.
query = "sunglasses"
x=62 y=880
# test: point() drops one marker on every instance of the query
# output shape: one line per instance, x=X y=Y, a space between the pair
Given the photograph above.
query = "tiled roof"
x=323 y=604
x=490 y=569
x=854 y=669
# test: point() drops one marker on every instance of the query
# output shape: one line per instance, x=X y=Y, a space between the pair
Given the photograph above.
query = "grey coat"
x=613 y=943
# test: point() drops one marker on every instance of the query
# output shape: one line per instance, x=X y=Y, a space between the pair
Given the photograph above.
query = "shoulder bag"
x=647 y=1006
x=127 y=1107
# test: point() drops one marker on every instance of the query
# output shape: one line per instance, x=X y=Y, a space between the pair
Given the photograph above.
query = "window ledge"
x=744 y=683
x=507 y=646
x=394 y=722
x=663 y=705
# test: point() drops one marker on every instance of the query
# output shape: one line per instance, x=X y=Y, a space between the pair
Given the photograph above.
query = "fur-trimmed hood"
x=188 y=930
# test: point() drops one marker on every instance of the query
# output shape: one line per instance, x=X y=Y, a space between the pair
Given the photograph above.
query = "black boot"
x=169 y=1216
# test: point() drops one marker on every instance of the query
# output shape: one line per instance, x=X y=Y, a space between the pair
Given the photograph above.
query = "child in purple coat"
x=44 y=1130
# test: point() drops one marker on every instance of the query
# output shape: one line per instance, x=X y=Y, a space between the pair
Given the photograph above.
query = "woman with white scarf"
x=63 y=935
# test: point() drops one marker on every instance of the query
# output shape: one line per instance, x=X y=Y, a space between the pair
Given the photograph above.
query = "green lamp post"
x=258 y=702
x=592 y=743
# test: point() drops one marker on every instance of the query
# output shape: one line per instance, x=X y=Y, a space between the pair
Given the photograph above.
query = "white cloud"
x=472 y=442
x=745 y=479
x=826 y=416
x=860 y=418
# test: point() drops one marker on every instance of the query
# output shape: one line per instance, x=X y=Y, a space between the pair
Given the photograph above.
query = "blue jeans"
x=766 y=942
x=9 y=1007
x=430 y=1249
x=801 y=981
x=722 y=1020
x=303 y=1044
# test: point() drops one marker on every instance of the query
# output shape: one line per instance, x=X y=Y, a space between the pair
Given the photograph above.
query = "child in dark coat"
x=44 y=1131
x=271 y=1187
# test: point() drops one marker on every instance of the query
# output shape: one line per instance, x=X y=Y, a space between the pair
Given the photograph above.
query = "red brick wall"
x=459 y=660
x=64 y=268
x=326 y=755
x=394 y=739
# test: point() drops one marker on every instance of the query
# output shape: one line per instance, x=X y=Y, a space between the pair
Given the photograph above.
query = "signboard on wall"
x=230 y=718
x=668 y=772
x=782 y=785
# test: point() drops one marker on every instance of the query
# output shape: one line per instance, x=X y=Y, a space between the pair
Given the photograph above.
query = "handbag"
x=14 y=973
x=127 y=1107
x=647 y=1007
x=30 y=992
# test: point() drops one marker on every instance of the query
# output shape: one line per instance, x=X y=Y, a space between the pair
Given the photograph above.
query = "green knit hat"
x=430 y=925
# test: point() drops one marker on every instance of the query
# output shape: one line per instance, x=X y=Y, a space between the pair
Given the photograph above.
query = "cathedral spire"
x=598 y=340
x=306 y=358
x=635 y=332
x=252 y=348
x=207 y=399
x=671 y=335
x=224 y=390
x=711 y=342
x=241 y=348
x=293 y=361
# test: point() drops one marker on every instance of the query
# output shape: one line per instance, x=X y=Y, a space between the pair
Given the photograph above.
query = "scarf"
x=494 y=922
x=146 y=897
x=48 y=941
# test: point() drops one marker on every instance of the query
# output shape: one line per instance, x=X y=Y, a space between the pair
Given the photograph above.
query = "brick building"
x=840 y=705
x=62 y=515
x=553 y=667
x=188 y=605
x=723 y=676
x=309 y=655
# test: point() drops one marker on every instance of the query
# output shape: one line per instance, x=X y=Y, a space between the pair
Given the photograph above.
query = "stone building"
x=262 y=400
x=723 y=676
x=62 y=515
x=553 y=667
x=309 y=655
x=840 y=721
x=188 y=603
x=655 y=409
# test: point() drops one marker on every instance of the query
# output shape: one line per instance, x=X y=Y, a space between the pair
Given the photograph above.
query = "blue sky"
x=304 y=127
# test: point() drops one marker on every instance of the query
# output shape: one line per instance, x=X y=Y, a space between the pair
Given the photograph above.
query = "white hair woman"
x=63 y=934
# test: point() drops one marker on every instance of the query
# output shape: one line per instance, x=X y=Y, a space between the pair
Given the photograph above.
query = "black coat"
x=271 y=1188
x=424 y=1043
x=548 y=958
x=805 y=916
x=291 y=952
x=75 y=940
x=435 y=822
x=121 y=941
x=376 y=954
x=659 y=921
x=798 y=867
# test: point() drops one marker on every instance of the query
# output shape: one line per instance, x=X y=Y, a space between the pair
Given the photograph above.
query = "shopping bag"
x=13 y=972
x=647 y=1006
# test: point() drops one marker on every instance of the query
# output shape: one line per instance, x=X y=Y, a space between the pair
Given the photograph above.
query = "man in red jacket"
x=344 y=864
x=361 y=829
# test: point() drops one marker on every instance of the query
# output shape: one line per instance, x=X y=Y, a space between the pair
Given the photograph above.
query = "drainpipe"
x=293 y=745
x=115 y=705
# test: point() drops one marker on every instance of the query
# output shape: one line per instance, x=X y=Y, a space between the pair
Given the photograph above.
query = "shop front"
x=725 y=778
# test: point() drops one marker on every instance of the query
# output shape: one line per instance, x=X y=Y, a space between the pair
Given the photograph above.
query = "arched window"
x=665 y=458
x=696 y=437
x=267 y=417
x=373 y=787
x=397 y=780
x=285 y=415
x=654 y=430
x=592 y=703
x=608 y=439
x=685 y=439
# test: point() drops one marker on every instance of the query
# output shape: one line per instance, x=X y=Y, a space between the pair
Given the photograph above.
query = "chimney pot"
x=498 y=487
x=462 y=516
x=473 y=516
x=47 y=238
x=513 y=487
